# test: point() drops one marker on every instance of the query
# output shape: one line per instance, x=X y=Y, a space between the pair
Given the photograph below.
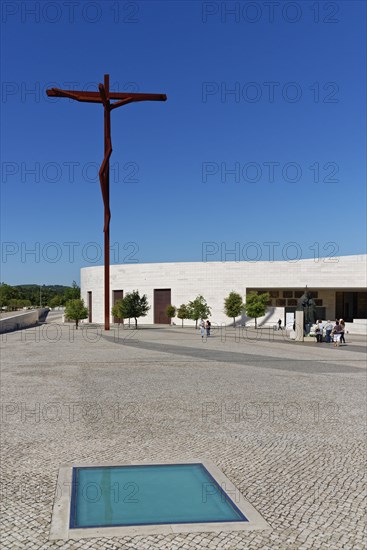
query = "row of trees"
x=134 y=306
x=234 y=306
x=19 y=296
x=194 y=310
x=254 y=307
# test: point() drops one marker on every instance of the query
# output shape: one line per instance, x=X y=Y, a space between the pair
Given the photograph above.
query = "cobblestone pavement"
x=285 y=422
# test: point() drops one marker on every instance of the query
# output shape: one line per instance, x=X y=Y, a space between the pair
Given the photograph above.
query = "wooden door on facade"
x=162 y=299
x=90 y=306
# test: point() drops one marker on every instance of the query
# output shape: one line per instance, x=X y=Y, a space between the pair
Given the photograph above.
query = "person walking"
x=337 y=329
x=342 y=324
x=318 y=331
x=328 y=329
x=279 y=324
x=202 y=329
x=208 y=327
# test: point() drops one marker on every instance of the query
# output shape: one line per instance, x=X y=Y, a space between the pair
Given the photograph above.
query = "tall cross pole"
x=104 y=96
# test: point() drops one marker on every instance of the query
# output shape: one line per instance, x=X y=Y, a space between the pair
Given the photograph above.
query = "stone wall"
x=23 y=320
x=215 y=280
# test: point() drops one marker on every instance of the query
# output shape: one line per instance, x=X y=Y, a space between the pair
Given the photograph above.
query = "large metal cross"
x=104 y=96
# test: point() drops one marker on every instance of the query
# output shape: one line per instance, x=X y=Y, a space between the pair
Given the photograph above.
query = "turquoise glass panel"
x=145 y=495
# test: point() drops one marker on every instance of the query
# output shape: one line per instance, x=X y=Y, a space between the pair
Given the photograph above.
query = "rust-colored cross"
x=104 y=96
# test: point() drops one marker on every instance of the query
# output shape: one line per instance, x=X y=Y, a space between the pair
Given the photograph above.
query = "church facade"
x=338 y=286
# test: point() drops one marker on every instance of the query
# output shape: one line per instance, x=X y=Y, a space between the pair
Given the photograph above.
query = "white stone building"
x=338 y=285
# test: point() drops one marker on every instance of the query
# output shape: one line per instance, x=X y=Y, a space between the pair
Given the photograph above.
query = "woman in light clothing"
x=337 y=329
x=202 y=328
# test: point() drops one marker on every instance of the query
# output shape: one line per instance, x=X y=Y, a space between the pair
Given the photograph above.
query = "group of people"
x=205 y=328
x=334 y=332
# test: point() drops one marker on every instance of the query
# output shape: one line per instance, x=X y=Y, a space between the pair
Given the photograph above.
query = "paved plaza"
x=284 y=421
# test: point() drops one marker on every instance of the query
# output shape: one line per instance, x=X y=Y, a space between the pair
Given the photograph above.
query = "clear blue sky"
x=292 y=131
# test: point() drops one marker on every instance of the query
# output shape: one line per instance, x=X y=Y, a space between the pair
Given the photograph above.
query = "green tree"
x=171 y=311
x=45 y=296
x=256 y=305
x=71 y=293
x=198 y=309
x=31 y=292
x=55 y=301
x=7 y=293
x=75 y=310
x=116 y=310
x=13 y=304
x=233 y=306
x=132 y=306
x=24 y=303
x=183 y=313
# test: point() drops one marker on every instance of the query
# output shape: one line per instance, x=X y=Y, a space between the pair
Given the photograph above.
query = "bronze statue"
x=307 y=304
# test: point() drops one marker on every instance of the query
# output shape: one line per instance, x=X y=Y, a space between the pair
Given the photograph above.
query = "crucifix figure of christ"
x=105 y=97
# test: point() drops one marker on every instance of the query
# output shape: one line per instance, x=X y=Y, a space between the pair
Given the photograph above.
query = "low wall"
x=23 y=320
x=359 y=326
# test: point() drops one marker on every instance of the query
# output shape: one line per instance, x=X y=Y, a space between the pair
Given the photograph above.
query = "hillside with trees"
x=31 y=295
